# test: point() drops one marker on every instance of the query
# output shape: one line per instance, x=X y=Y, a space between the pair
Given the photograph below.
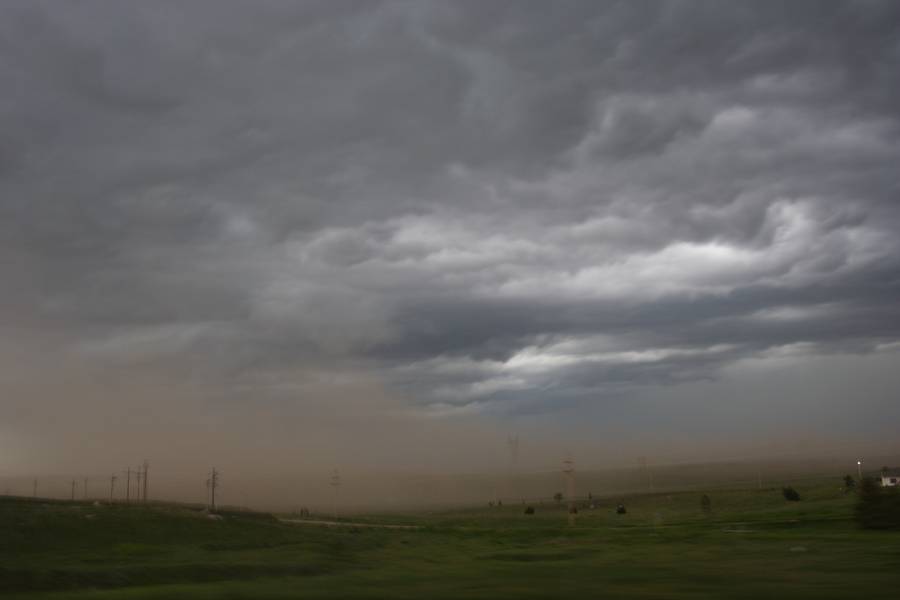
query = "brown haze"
x=279 y=451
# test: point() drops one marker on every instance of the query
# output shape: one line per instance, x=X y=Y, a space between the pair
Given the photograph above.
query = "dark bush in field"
x=705 y=504
x=849 y=482
x=877 y=507
x=529 y=510
x=790 y=494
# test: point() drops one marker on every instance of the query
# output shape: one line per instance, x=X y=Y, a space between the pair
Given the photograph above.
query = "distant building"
x=890 y=477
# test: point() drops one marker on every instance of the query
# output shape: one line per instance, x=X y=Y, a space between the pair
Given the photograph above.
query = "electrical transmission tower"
x=336 y=484
x=568 y=468
x=213 y=483
x=512 y=443
x=112 y=486
x=645 y=469
x=74 y=483
x=85 y=488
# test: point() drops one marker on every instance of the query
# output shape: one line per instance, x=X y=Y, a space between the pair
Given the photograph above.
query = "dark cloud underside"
x=495 y=207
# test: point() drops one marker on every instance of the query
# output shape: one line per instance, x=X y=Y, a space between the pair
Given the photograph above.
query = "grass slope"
x=753 y=545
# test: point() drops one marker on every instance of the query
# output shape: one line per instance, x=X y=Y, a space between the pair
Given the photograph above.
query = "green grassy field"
x=753 y=545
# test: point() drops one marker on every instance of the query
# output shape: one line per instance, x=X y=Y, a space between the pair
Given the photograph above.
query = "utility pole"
x=73 y=489
x=112 y=486
x=336 y=484
x=127 y=485
x=213 y=483
x=146 y=468
x=569 y=470
x=137 y=482
x=85 y=488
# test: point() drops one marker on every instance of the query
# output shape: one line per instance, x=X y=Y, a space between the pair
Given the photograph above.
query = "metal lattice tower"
x=213 y=483
x=512 y=443
x=568 y=468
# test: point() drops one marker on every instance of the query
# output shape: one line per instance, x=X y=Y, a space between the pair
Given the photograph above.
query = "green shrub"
x=790 y=494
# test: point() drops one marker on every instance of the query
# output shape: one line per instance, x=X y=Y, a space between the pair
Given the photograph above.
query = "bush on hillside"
x=877 y=507
x=790 y=494
x=705 y=504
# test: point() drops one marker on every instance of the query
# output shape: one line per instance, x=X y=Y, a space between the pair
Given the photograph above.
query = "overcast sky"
x=665 y=222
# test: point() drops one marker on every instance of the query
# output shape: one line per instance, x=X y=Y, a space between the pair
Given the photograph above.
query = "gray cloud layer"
x=497 y=207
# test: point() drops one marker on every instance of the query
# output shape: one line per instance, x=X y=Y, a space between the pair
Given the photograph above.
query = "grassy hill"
x=753 y=544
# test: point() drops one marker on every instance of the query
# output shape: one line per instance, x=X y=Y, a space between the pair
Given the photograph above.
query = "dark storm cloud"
x=483 y=202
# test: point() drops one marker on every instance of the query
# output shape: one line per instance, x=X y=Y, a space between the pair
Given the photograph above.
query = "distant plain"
x=753 y=544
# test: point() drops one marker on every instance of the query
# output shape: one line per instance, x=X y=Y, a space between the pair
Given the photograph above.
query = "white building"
x=890 y=477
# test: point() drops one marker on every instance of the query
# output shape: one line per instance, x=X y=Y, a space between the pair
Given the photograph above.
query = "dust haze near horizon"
x=281 y=238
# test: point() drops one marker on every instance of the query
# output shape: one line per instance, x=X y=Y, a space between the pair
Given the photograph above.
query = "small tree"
x=558 y=497
x=705 y=504
x=529 y=510
x=790 y=494
x=849 y=482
